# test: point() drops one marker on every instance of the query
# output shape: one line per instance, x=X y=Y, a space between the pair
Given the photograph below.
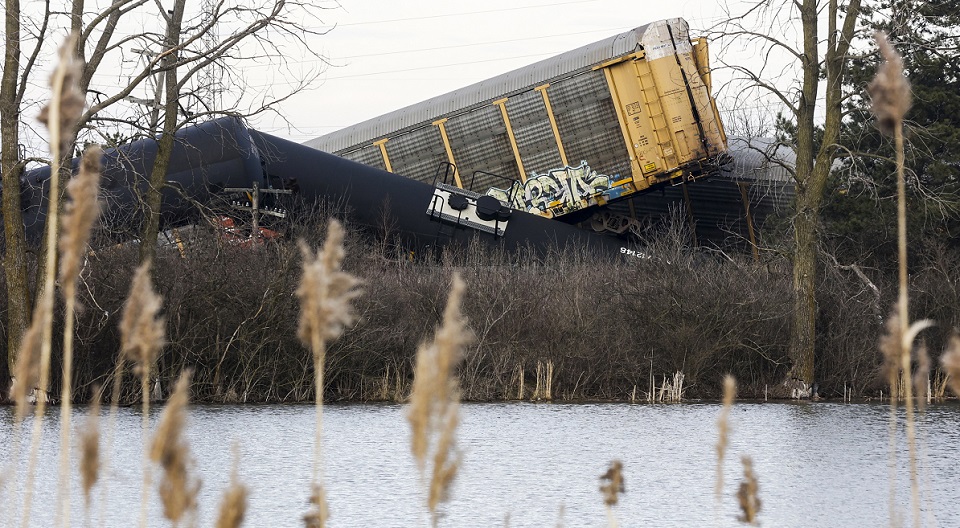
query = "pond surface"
x=820 y=464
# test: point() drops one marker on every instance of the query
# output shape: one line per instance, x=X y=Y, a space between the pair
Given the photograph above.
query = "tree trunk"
x=15 y=256
x=813 y=169
x=803 y=332
x=158 y=175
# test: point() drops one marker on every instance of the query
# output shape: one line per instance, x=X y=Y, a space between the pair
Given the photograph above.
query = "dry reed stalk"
x=611 y=487
x=747 y=494
x=921 y=377
x=80 y=214
x=234 y=505
x=723 y=426
x=435 y=399
x=951 y=364
x=891 y=99
x=61 y=116
x=27 y=369
x=178 y=489
x=319 y=511
x=325 y=294
x=90 y=452
x=141 y=338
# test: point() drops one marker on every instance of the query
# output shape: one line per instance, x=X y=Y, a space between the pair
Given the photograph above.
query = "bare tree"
x=266 y=31
x=794 y=72
x=12 y=90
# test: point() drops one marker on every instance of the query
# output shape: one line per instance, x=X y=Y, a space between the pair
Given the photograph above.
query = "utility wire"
x=447 y=15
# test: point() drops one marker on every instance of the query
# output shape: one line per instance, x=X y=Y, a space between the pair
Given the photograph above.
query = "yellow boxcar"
x=571 y=133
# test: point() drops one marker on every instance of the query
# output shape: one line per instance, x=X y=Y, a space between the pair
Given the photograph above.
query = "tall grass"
x=434 y=411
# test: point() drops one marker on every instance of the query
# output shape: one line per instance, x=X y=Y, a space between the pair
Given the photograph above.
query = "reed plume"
x=891 y=99
x=234 y=505
x=723 y=426
x=61 y=116
x=27 y=369
x=611 y=487
x=141 y=338
x=921 y=376
x=435 y=400
x=319 y=512
x=142 y=330
x=178 y=489
x=889 y=91
x=951 y=364
x=326 y=293
x=747 y=494
x=63 y=112
x=80 y=214
x=90 y=450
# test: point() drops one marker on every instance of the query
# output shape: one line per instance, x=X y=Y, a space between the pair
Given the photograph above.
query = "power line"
x=464 y=14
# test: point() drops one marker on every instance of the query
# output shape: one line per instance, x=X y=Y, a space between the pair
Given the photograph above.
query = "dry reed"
x=178 y=488
x=80 y=214
x=723 y=427
x=891 y=98
x=890 y=95
x=90 y=450
x=435 y=399
x=951 y=364
x=141 y=338
x=326 y=294
x=27 y=369
x=747 y=494
x=319 y=511
x=921 y=377
x=61 y=116
x=611 y=487
x=234 y=505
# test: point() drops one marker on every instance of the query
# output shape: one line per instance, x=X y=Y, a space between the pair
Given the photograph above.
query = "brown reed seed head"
x=90 y=448
x=178 y=490
x=319 y=512
x=889 y=90
x=446 y=459
x=71 y=98
x=951 y=363
x=612 y=483
x=234 y=506
x=80 y=214
x=891 y=346
x=747 y=495
x=325 y=291
x=27 y=369
x=435 y=387
x=723 y=428
x=141 y=328
x=921 y=375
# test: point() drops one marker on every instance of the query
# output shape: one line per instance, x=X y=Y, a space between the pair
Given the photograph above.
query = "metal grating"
x=479 y=142
x=588 y=125
x=417 y=154
x=531 y=128
x=368 y=155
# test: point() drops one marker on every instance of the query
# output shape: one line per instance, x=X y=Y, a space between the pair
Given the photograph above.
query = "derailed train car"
x=212 y=158
x=564 y=136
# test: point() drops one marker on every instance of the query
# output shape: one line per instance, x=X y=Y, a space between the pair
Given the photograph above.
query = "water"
x=818 y=465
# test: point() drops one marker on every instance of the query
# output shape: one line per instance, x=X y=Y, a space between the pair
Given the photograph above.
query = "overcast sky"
x=387 y=54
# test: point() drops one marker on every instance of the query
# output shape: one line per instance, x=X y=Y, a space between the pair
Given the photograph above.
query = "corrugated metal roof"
x=489 y=90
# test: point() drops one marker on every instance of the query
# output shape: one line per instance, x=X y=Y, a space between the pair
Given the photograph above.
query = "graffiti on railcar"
x=565 y=189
